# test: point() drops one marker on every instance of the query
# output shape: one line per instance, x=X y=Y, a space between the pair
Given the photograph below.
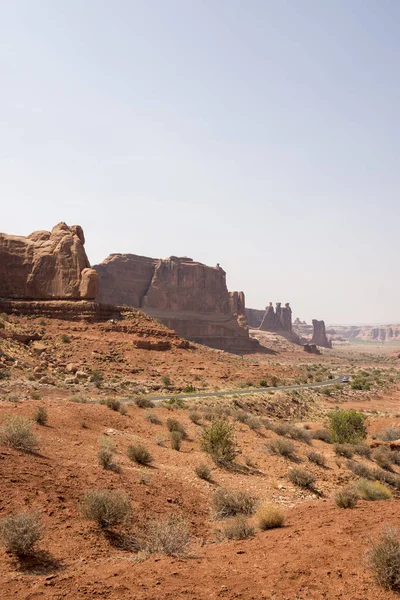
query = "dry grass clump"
x=323 y=435
x=301 y=477
x=346 y=450
x=169 y=536
x=139 y=454
x=107 y=508
x=390 y=434
x=218 y=440
x=242 y=416
x=111 y=403
x=283 y=447
x=40 y=415
x=384 y=559
x=16 y=432
x=387 y=477
x=176 y=440
x=106 y=454
x=143 y=402
x=346 y=498
x=372 y=490
x=384 y=457
x=254 y=423
x=270 y=516
x=195 y=417
x=20 y=533
x=153 y=418
x=203 y=471
x=362 y=450
x=175 y=425
x=238 y=529
x=359 y=469
x=301 y=435
x=230 y=503
x=317 y=458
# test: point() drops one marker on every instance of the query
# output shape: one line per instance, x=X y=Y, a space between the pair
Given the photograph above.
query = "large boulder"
x=47 y=265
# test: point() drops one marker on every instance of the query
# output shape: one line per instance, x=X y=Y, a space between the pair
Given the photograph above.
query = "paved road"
x=246 y=391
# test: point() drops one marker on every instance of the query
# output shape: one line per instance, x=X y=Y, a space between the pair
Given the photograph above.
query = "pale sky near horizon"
x=261 y=135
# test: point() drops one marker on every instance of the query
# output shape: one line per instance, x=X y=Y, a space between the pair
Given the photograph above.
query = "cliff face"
x=279 y=319
x=47 y=265
x=254 y=317
x=185 y=295
x=319 y=337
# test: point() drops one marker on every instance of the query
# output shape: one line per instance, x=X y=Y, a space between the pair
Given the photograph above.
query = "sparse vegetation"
x=176 y=440
x=175 y=425
x=384 y=457
x=203 y=471
x=323 y=435
x=285 y=448
x=189 y=389
x=359 y=469
x=301 y=477
x=317 y=458
x=153 y=418
x=139 y=454
x=16 y=432
x=384 y=558
x=263 y=383
x=347 y=426
x=372 y=490
x=106 y=454
x=362 y=450
x=65 y=339
x=238 y=529
x=166 y=381
x=195 y=417
x=346 y=498
x=111 y=403
x=346 y=450
x=20 y=533
x=230 y=503
x=218 y=440
x=107 y=508
x=169 y=536
x=143 y=402
x=40 y=415
x=270 y=516
x=390 y=434
x=96 y=377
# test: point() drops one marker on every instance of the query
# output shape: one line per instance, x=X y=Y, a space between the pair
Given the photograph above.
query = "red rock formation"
x=46 y=265
x=69 y=310
x=185 y=295
x=254 y=317
x=319 y=337
x=277 y=320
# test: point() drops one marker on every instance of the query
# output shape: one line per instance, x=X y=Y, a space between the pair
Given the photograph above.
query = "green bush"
x=65 y=339
x=263 y=383
x=347 y=426
x=189 y=389
x=218 y=440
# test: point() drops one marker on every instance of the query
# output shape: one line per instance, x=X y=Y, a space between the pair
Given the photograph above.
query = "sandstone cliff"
x=187 y=296
x=47 y=265
x=319 y=337
x=279 y=319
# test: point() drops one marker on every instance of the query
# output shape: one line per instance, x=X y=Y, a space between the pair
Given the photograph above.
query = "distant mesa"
x=185 y=295
x=47 y=265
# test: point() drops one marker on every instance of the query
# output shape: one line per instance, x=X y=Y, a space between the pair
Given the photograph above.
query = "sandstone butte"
x=47 y=265
x=186 y=296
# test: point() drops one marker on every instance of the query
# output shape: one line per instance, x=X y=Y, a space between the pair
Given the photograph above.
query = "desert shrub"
x=166 y=381
x=20 y=533
x=35 y=395
x=359 y=469
x=65 y=339
x=387 y=477
x=203 y=471
x=263 y=383
x=346 y=450
x=96 y=377
x=16 y=432
x=238 y=529
x=174 y=403
x=390 y=434
x=230 y=503
x=195 y=417
x=175 y=425
x=40 y=415
x=254 y=423
x=270 y=516
x=301 y=435
x=372 y=490
x=139 y=454
x=362 y=450
x=360 y=382
x=111 y=403
x=347 y=426
x=384 y=559
x=282 y=428
x=153 y=418
x=346 y=498
x=322 y=434
x=123 y=409
x=189 y=389
x=106 y=454
x=317 y=458
x=107 y=508
x=176 y=440
x=218 y=440
x=285 y=448
x=4 y=374
x=301 y=477
x=383 y=457
x=169 y=536
x=143 y=402
x=79 y=398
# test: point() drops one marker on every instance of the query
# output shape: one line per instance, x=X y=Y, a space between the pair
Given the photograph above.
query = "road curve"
x=245 y=392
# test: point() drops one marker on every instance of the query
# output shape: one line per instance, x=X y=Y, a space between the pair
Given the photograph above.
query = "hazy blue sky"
x=263 y=135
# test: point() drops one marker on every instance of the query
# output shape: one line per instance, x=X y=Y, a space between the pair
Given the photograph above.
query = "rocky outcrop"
x=77 y=310
x=254 y=317
x=319 y=337
x=47 y=265
x=187 y=296
x=277 y=320
x=311 y=349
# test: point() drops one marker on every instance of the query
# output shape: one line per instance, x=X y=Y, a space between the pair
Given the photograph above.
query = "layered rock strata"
x=187 y=296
